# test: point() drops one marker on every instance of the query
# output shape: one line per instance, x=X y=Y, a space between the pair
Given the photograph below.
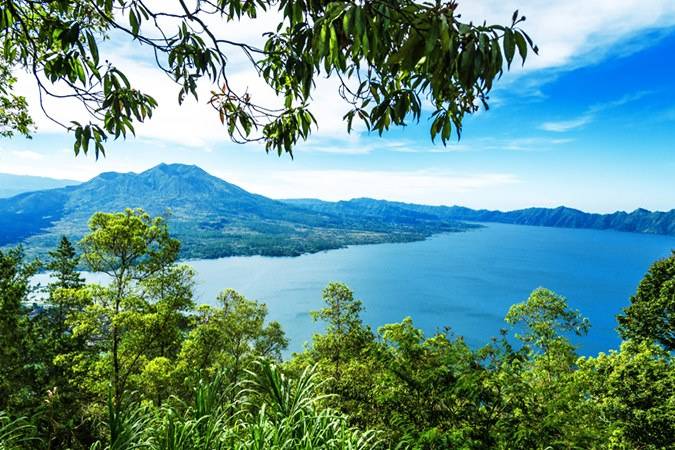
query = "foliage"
x=388 y=57
x=228 y=338
x=15 y=433
x=545 y=316
x=14 y=117
x=292 y=418
x=651 y=314
x=15 y=359
x=63 y=266
x=633 y=390
x=209 y=377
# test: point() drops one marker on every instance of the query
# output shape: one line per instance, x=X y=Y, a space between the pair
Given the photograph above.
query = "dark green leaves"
x=388 y=57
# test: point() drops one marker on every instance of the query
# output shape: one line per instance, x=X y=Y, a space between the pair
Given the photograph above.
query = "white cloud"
x=27 y=155
x=529 y=144
x=566 y=125
x=591 y=113
x=576 y=32
x=423 y=186
x=355 y=144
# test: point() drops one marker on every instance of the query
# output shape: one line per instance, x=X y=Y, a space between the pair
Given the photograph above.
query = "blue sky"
x=590 y=123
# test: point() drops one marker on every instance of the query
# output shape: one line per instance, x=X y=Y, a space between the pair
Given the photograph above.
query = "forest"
x=135 y=363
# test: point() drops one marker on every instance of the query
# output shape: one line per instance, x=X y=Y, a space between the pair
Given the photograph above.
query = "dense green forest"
x=136 y=364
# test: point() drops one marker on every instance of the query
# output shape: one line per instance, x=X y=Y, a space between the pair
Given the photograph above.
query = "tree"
x=544 y=405
x=651 y=314
x=632 y=391
x=15 y=289
x=63 y=264
x=131 y=248
x=545 y=317
x=387 y=56
x=14 y=117
x=430 y=388
x=228 y=338
x=345 y=333
x=65 y=278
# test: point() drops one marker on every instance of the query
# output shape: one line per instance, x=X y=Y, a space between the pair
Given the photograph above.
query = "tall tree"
x=631 y=393
x=229 y=338
x=651 y=314
x=130 y=247
x=545 y=404
x=63 y=264
x=345 y=333
x=387 y=56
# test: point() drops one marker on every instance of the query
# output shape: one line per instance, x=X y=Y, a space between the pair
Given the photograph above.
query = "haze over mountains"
x=214 y=218
x=11 y=185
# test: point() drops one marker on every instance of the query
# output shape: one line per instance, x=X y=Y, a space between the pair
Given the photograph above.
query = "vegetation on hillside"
x=214 y=218
x=211 y=217
x=136 y=364
x=638 y=221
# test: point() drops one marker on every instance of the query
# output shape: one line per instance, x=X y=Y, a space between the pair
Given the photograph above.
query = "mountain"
x=11 y=185
x=214 y=218
x=210 y=216
x=638 y=221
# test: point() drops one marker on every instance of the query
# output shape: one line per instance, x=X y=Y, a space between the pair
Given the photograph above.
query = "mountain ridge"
x=210 y=216
x=639 y=221
x=216 y=218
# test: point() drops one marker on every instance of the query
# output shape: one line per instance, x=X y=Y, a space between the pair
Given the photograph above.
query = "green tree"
x=545 y=317
x=16 y=387
x=63 y=265
x=14 y=117
x=387 y=56
x=632 y=392
x=345 y=335
x=131 y=248
x=430 y=389
x=60 y=413
x=65 y=278
x=228 y=338
x=651 y=314
x=545 y=405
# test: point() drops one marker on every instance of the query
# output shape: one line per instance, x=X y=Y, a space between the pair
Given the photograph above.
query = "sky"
x=588 y=123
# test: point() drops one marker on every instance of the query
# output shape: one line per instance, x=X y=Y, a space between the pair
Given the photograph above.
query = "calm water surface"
x=464 y=280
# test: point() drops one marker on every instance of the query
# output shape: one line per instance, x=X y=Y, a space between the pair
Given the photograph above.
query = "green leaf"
x=509 y=47
x=521 y=44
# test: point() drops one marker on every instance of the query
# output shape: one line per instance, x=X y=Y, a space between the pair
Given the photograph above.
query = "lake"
x=463 y=280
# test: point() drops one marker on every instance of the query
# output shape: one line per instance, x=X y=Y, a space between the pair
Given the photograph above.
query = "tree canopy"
x=134 y=363
x=651 y=314
x=390 y=58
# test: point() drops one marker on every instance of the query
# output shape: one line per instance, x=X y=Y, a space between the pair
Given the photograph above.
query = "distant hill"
x=214 y=218
x=210 y=216
x=638 y=221
x=11 y=185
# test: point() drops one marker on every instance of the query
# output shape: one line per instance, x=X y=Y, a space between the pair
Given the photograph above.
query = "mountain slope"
x=639 y=221
x=210 y=216
x=11 y=185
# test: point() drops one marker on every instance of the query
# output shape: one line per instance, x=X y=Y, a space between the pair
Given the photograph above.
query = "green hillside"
x=212 y=218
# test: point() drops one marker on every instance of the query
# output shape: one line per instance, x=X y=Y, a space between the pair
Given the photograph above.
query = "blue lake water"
x=466 y=281
x=463 y=280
